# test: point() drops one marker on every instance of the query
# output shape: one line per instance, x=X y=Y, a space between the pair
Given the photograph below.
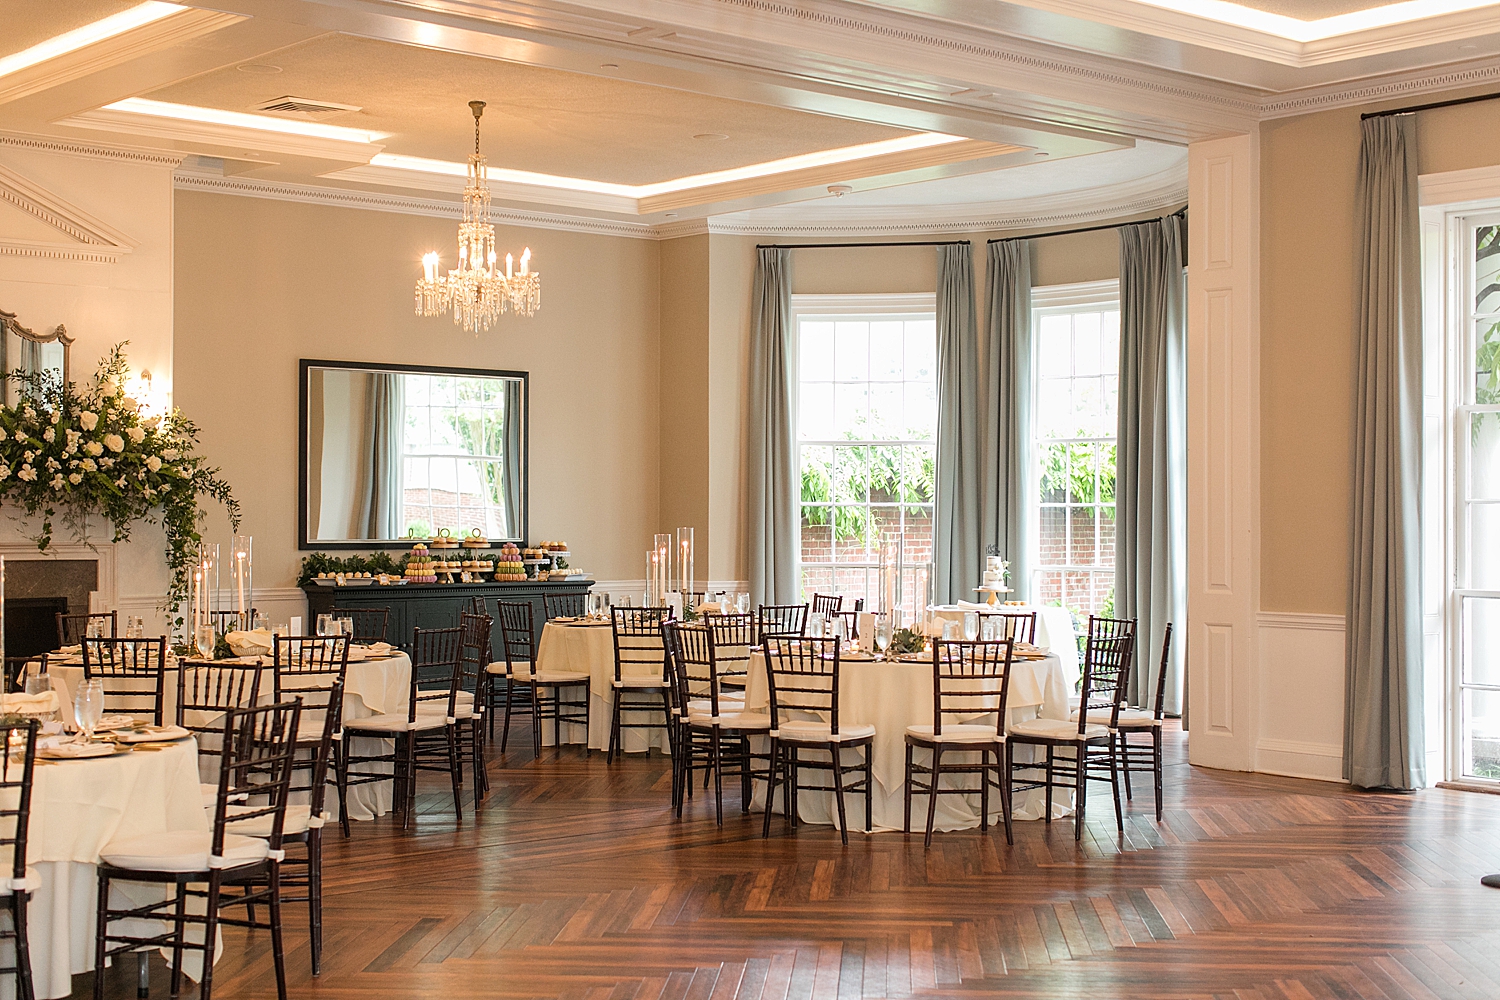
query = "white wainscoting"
x=1301 y=731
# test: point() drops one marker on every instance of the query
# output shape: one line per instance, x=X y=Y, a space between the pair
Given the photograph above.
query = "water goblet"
x=88 y=707
x=205 y=639
x=325 y=624
x=882 y=634
x=971 y=625
x=950 y=629
x=742 y=603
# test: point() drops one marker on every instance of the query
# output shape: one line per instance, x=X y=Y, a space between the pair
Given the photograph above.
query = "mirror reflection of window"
x=394 y=453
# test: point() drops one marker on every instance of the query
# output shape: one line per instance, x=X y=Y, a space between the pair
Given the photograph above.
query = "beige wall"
x=684 y=397
x=1309 y=283
x=260 y=284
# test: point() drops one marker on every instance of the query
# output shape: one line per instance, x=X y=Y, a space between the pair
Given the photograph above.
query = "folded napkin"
x=69 y=650
x=19 y=703
x=380 y=648
x=63 y=746
x=710 y=608
x=249 y=643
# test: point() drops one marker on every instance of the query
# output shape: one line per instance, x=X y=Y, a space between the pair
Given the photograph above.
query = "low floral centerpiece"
x=69 y=454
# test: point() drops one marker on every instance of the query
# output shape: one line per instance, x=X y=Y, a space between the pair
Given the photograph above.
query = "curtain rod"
x=832 y=246
x=1429 y=107
x=1089 y=229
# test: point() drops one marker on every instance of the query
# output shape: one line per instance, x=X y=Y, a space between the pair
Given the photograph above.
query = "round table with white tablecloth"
x=589 y=647
x=891 y=695
x=77 y=807
x=372 y=686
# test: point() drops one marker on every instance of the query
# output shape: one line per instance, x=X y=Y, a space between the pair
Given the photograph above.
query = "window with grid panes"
x=452 y=468
x=867 y=441
x=1076 y=357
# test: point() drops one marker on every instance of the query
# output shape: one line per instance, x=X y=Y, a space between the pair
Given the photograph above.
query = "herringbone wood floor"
x=575 y=881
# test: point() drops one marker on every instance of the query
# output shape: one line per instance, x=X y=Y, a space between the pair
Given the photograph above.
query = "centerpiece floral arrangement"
x=69 y=454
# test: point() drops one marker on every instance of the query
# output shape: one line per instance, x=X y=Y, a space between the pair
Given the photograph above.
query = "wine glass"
x=203 y=638
x=971 y=625
x=325 y=624
x=742 y=603
x=88 y=707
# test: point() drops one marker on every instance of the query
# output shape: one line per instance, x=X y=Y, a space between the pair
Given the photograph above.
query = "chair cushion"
x=643 y=683
x=502 y=668
x=31 y=883
x=310 y=728
x=1130 y=718
x=298 y=820
x=1057 y=729
x=730 y=720
x=550 y=677
x=702 y=706
x=182 y=851
x=807 y=731
x=397 y=723
x=954 y=733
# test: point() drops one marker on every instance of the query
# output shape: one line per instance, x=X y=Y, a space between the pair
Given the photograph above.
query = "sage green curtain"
x=956 y=529
x=1384 y=741
x=381 y=499
x=1150 y=471
x=771 y=481
x=1007 y=407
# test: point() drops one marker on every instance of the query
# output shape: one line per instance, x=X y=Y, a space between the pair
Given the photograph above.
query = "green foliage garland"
x=69 y=454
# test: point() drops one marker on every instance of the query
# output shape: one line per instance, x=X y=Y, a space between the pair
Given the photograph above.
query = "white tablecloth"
x=77 y=807
x=591 y=649
x=893 y=695
x=371 y=687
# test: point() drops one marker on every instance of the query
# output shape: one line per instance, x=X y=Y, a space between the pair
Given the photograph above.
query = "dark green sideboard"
x=436 y=605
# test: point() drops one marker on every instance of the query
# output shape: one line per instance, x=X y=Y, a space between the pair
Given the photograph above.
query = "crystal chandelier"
x=476 y=291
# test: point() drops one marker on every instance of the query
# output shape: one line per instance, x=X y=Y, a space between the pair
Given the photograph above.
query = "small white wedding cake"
x=995 y=570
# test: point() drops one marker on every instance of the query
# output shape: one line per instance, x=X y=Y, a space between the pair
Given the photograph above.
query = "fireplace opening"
x=31 y=625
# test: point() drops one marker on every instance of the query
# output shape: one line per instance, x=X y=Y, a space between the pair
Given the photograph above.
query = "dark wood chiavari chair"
x=424 y=740
x=565 y=605
x=641 y=685
x=309 y=667
x=802 y=679
x=370 y=624
x=691 y=599
x=16 y=770
x=998 y=626
x=133 y=672
x=780 y=619
x=72 y=628
x=719 y=731
x=256 y=765
x=1106 y=673
x=468 y=704
x=206 y=692
x=827 y=604
x=225 y=622
x=17 y=667
x=733 y=635
x=562 y=694
x=969 y=680
x=1130 y=721
x=303 y=825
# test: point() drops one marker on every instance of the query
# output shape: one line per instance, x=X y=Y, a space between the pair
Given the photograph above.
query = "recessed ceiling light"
x=1296 y=30
x=827 y=157
x=1041 y=152
x=671 y=215
x=238 y=119
x=98 y=31
x=713 y=136
x=609 y=65
x=259 y=69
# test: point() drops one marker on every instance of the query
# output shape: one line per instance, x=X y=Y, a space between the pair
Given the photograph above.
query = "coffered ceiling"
x=748 y=111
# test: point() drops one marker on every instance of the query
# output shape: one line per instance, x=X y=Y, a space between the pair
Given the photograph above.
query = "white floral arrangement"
x=71 y=454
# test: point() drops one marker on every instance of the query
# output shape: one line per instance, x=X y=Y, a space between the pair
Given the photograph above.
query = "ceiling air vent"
x=303 y=107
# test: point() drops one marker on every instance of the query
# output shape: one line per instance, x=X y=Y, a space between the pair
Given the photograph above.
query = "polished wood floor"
x=574 y=881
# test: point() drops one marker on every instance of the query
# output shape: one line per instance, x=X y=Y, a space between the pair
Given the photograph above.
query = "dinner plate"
x=151 y=734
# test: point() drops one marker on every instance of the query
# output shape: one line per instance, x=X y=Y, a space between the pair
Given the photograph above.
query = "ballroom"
x=1012 y=485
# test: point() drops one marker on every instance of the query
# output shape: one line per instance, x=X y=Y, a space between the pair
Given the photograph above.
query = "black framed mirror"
x=392 y=452
x=24 y=349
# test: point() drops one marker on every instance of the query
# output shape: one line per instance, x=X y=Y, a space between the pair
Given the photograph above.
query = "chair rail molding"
x=1223 y=446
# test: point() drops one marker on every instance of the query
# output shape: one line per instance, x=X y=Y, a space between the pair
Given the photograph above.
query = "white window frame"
x=888 y=304
x=1449 y=322
x=494 y=529
x=1075 y=297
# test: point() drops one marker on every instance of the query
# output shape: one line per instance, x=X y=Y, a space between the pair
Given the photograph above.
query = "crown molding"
x=91 y=239
x=310 y=194
x=1371 y=90
x=172 y=30
x=40 y=144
